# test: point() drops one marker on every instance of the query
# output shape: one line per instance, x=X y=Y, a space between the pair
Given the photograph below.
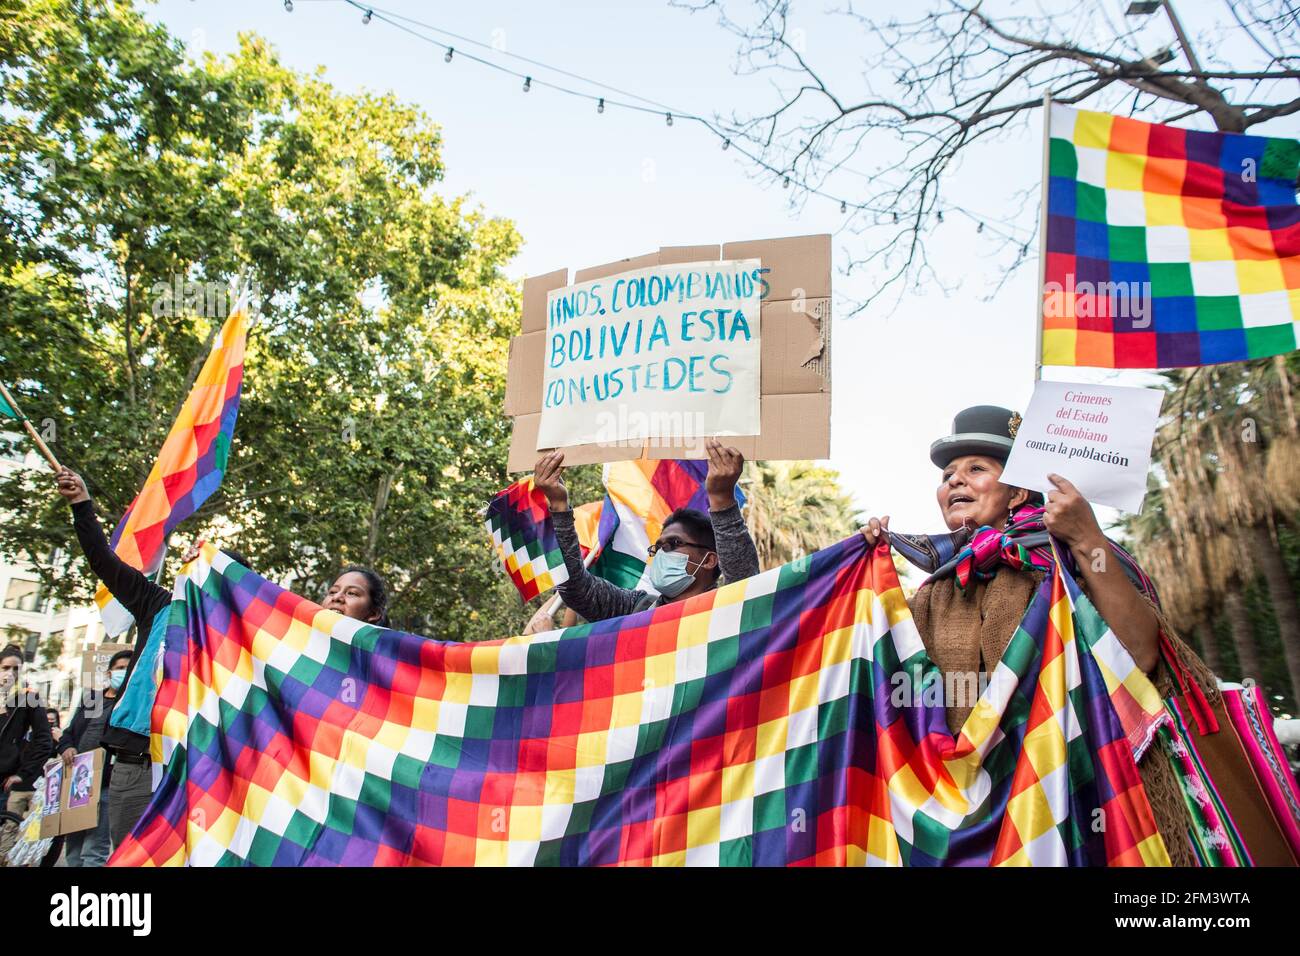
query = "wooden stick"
x=44 y=448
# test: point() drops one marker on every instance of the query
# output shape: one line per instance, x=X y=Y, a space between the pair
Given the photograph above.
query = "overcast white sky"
x=586 y=188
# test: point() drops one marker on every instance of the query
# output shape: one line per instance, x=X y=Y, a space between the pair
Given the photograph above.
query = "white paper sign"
x=1097 y=436
x=668 y=352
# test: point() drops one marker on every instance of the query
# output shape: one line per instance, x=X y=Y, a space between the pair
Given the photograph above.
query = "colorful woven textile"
x=190 y=466
x=1218 y=835
x=785 y=719
x=1167 y=247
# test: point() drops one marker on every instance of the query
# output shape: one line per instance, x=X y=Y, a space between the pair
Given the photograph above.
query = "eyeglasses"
x=672 y=543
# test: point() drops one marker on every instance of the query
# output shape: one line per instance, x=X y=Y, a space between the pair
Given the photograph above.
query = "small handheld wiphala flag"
x=785 y=719
x=190 y=465
x=1167 y=247
x=519 y=522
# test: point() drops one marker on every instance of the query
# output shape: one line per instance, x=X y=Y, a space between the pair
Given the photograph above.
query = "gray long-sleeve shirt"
x=597 y=599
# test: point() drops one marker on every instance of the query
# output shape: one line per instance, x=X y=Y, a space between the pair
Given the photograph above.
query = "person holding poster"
x=693 y=553
x=986 y=572
x=25 y=742
x=85 y=732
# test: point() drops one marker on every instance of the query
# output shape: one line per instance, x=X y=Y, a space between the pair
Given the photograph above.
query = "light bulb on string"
x=785 y=183
x=980 y=227
x=726 y=143
x=600 y=105
x=669 y=117
x=288 y=6
x=450 y=51
x=895 y=217
x=528 y=83
x=844 y=207
x=940 y=214
x=365 y=19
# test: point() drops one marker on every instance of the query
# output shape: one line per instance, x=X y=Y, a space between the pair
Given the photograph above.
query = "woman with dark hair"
x=359 y=593
x=985 y=573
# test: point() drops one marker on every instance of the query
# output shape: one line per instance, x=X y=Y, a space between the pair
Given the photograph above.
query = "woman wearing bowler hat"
x=985 y=573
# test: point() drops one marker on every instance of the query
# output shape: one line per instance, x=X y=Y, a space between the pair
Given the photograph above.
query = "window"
x=78 y=636
x=23 y=594
x=30 y=641
x=11 y=447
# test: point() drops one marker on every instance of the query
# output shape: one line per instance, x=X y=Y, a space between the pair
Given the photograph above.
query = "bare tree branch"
x=938 y=84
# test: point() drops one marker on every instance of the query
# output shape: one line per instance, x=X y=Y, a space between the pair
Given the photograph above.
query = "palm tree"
x=1229 y=460
x=794 y=508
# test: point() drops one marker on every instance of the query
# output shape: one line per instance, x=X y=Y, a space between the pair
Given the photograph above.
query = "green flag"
x=7 y=410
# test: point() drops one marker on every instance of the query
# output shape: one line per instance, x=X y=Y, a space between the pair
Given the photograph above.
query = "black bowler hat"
x=979 y=430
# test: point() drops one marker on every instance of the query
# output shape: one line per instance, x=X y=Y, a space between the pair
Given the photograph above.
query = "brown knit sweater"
x=967 y=634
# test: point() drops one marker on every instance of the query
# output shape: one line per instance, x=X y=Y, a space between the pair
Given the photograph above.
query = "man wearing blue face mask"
x=91 y=847
x=694 y=551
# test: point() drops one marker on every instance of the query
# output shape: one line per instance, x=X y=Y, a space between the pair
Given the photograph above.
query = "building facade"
x=53 y=636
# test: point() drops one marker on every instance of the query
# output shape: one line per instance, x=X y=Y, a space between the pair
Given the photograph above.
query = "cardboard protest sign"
x=94 y=664
x=664 y=352
x=793 y=359
x=1097 y=436
x=72 y=794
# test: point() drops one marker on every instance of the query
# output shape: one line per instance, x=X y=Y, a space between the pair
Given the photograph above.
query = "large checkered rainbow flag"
x=614 y=534
x=785 y=719
x=1167 y=247
x=190 y=466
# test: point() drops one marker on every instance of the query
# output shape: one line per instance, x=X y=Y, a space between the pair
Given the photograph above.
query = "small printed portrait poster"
x=83 y=779
x=53 y=784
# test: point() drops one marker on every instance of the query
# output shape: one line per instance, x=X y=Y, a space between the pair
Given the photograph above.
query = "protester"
x=130 y=777
x=693 y=553
x=25 y=743
x=359 y=593
x=983 y=578
x=85 y=733
x=55 y=732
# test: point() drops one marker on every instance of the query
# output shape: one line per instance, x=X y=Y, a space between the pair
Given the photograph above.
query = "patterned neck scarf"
x=1017 y=545
x=1023 y=544
x=977 y=555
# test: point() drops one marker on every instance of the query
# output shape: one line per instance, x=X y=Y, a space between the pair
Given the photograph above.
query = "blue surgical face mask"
x=668 y=573
x=116 y=679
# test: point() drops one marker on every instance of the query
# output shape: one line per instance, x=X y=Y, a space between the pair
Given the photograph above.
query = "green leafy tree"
x=370 y=427
x=794 y=508
x=51 y=649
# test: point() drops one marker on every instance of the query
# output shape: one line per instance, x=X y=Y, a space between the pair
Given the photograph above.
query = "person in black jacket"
x=85 y=733
x=25 y=743
x=130 y=776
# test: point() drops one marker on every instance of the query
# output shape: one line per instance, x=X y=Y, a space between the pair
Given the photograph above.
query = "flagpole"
x=45 y=449
x=1042 y=240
